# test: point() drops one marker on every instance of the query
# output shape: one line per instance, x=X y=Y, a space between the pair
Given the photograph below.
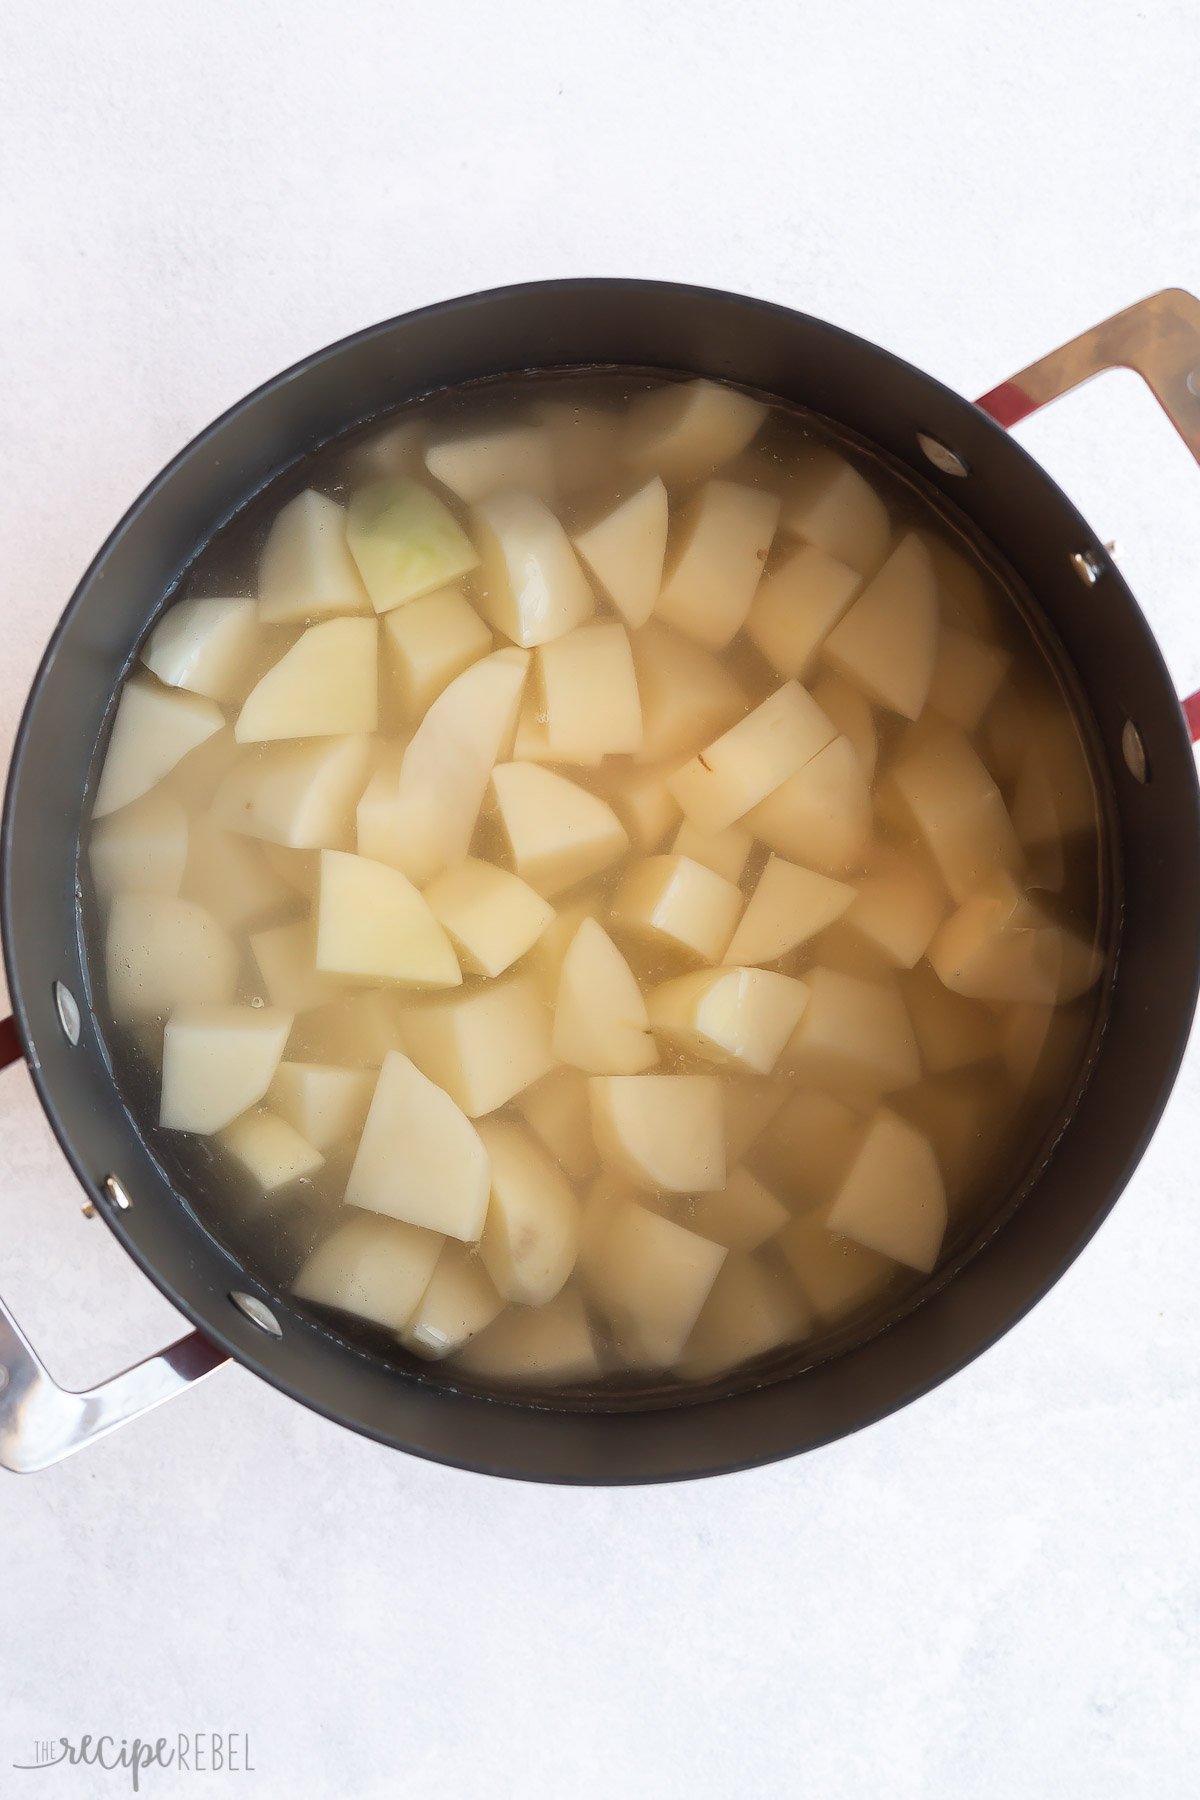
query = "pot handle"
x=40 y=1422
x=1159 y=338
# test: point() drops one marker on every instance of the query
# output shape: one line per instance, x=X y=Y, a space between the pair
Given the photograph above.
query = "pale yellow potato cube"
x=788 y=906
x=427 y=643
x=854 y=1036
x=898 y=905
x=557 y=833
x=270 y=1150
x=218 y=1062
x=154 y=728
x=738 y=1016
x=376 y=1268
x=325 y=1104
x=406 y=542
x=491 y=916
x=676 y=902
x=479 y=464
x=650 y=1278
x=688 y=429
x=831 y=505
x=539 y=1345
x=306 y=570
x=286 y=958
x=459 y=1302
x=625 y=549
x=726 y=852
x=531 y=1237
x=584 y=443
x=962 y=589
x=546 y=957
x=687 y=695
x=742 y=1215
x=966 y=1117
x=229 y=876
x=748 y=1108
x=531 y=586
x=752 y=759
x=298 y=868
x=887 y=643
x=376 y=821
x=373 y=925
x=1043 y=1043
x=966 y=676
x=1054 y=796
x=1000 y=946
x=835 y=1276
x=606 y=1193
x=532 y=740
x=951 y=1032
x=664 y=1132
x=589 y=691
x=300 y=795
x=357 y=1030
x=893 y=1199
x=485 y=1045
x=852 y=714
x=821 y=817
x=750 y=1309
x=645 y=806
x=600 y=1021
x=142 y=849
x=326 y=685
x=557 y=1109
x=162 y=952
x=396 y=450
x=419 y=1158
x=195 y=778
x=209 y=647
x=808 y=1146
x=716 y=562
x=796 y=607
x=952 y=802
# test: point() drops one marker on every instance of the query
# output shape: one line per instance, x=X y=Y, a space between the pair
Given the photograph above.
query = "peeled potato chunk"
x=738 y=1016
x=753 y=758
x=743 y=1215
x=686 y=694
x=831 y=505
x=1054 y=795
x=887 y=643
x=195 y=778
x=951 y=1032
x=1000 y=946
x=270 y=1150
x=893 y=1200
x=797 y=605
x=558 y=833
x=965 y=1116
x=714 y=567
x=286 y=957
x=419 y=1157
x=326 y=685
x=625 y=550
x=952 y=801
x=650 y=1278
x=427 y=643
x=396 y=450
x=665 y=1132
x=142 y=849
x=302 y=795
x=898 y=905
x=542 y=1345
x=853 y=1035
x=748 y=1108
x=674 y=901
x=531 y=1237
x=475 y=466
x=750 y=1309
x=491 y=916
x=788 y=906
x=808 y=1146
x=600 y=1022
x=531 y=585
x=556 y=1108
x=820 y=817
x=590 y=694
x=966 y=676
x=154 y=729
x=228 y=874
x=161 y=952
x=406 y=542
x=484 y=1045
x=686 y=431
x=852 y=715
x=459 y=1302
x=306 y=570
x=373 y=925
x=355 y=1029
x=961 y=587
x=546 y=957
x=375 y=1268
x=584 y=443
x=209 y=647
x=645 y=806
x=836 y=1276
x=325 y=1104
x=726 y=852
x=218 y=1062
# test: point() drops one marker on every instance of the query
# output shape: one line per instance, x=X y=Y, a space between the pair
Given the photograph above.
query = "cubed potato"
x=738 y=1016
x=373 y=925
x=162 y=952
x=748 y=1108
x=625 y=549
x=726 y=852
x=887 y=643
x=954 y=805
x=1000 y=946
x=966 y=676
x=650 y=1278
x=742 y=1215
x=677 y=903
x=830 y=505
x=589 y=692
x=796 y=607
x=306 y=570
x=195 y=778
x=600 y=1022
x=556 y=1108
x=683 y=431
x=427 y=643
x=835 y=1276
x=584 y=443
x=483 y=1046
x=645 y=806
x=491 y=916
x=218 y=1061
x=229 y=876
x=406 y=542
x=962 y=588
x=154 y=728
x=286 y=958
x=459 y=1302
x=898 y=905
x=480 y=463
x=209 y=647
x=557 y=833
x=893 y=1200
x=300 y=795
x=142 y=849
x=967 y=1117
x=687 y=695
x=951 y=1033
x=1054 y=797
x=270 y=1150
x=820 y=817
x=326 y=685
x=606 y=1192
x=751 y=1309
x=531 y=1237
x=664 y=1132
x=419 y=1158
x=549 y=1346
x=546 y=957
x=854 y=1036
x=752 y=759
x=375 y=816
x=716 y=561
x=808 y=1146
x=788 y=906
x=397 y=449
x=357 y=1030
x=325 y=1104
x=298 y=868
x=851 y=713
x=372 y=1267
x=531 y=586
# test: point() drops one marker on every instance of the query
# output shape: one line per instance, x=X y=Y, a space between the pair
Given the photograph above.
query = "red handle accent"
x=1191 y=712
x=11 y=1050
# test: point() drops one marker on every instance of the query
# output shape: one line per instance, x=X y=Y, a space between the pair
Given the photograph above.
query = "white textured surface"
x=996 y=1593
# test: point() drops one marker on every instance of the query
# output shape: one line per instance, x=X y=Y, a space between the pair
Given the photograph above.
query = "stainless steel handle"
x=40 y=1422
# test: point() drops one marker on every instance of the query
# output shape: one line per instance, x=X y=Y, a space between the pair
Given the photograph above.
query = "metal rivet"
x=941 y=455
x=117 y=1194
x=68 y=1012
x=257 y=1312
x=88 y=1210
x=1087 y=566
x=3 y=1378
x=1134 y=752
x=1193 y=382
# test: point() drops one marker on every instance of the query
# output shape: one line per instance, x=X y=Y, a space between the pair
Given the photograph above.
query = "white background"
x=996 y=1593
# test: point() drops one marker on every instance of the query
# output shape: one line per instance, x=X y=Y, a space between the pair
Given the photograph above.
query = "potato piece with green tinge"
x=650 y=1278
x=325 y=1104
x=162 y=952
x=831 y=505
x=531 y=1237
x=898 y=905
x=688 y=429
x=405 y=541
x=326 y=685
x=679 y=904
x=373 y=925
x=893 y=1199
x=154 y=728
x=419 y=1158
x=483 y=1045
x=142 y=849
x=796 y=607
x=854 y=1036
x=427 y=643
x=270 y=1150
x=750 y=1309
x=753 y=758
x=541 y=1345
x=209 y=647
x=853 y=716
x=715 y=566
x=479 y=463
x=373 y=1267
x=836 y=1277
x=665 y=1132
x=531 y=585
x=459 y=1302
x=686 y=694
x=741 y=1215
x=625 y=550
x=726 y=852
x=491 y=916
x=218 y=1062
x=886 y=644
x=600 y=1023
x=820 y=817
x=556 y=1108
x=788 y=906
x=300 y=795
x=306 y=570
x=947 y=795
x=742 y=1017
x=558 y=833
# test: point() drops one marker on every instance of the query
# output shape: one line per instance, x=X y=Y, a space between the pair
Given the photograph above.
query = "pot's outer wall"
x=1007 y=497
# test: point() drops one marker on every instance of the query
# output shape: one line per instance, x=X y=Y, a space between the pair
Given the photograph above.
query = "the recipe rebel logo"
x=193 y=1752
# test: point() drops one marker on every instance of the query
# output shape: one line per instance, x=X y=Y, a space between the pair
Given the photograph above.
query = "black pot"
x=1143 y=764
